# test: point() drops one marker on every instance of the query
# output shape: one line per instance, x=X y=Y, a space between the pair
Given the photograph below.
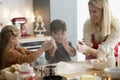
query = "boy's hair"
x=57 y=25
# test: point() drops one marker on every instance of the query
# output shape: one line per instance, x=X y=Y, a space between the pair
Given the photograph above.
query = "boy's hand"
x=65 y=42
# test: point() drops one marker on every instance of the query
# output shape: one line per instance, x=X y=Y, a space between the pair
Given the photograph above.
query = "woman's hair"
x=57 y=25
x=108 y=21
x=5 y=35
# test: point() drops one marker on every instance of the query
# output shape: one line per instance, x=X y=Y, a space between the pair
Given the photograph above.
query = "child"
x=62 y=48
x=11 y=53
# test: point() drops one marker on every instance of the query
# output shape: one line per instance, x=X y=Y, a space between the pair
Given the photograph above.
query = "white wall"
x=115 y=6
x=82 y=15
x=67 y=11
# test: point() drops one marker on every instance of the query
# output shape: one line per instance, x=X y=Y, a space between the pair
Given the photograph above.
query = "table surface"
x=85 y=67
x=82 y=67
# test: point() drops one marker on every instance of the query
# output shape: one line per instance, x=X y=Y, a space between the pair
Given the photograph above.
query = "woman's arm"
x=86 y=50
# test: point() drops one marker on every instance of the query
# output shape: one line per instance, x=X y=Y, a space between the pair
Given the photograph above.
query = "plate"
x=114 y=72
x=8 y=75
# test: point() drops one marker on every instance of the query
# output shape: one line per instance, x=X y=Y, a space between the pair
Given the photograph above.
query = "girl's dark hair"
x=5 y=35
x=57 y=25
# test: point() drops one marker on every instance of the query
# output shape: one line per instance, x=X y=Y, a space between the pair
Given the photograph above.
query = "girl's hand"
x=47 y=45
x=52 y=50
x=54 y=44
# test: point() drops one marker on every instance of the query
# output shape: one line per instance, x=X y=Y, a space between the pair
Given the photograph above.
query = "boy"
x=62 y=48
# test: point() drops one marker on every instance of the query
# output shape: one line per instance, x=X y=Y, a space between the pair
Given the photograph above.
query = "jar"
x=102 y=55
x=50 y=70
x=25 y=72
x=25 y=76
x=111 y=59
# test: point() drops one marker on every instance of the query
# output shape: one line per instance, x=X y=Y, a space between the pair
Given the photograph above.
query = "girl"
x=12 y=53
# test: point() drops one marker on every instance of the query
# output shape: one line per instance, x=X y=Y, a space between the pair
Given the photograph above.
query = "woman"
x=101 y=29
x=12 y=53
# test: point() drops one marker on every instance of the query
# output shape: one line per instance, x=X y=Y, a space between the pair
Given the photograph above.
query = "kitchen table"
x=81 y=67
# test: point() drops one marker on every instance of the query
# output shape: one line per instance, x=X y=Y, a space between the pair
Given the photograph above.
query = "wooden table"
x=85 y=67
x=82 y=67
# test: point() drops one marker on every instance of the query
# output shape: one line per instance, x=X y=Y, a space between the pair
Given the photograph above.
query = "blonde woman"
x=101 y=29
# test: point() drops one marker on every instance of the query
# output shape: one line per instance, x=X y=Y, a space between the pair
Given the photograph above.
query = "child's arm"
x=51 y=51
x=71 y=51
x=68 y=47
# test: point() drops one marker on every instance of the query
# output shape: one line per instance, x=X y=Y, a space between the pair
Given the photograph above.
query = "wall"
x=115 y=6
x=82 y=15
x=67 y=11
x=41 y=10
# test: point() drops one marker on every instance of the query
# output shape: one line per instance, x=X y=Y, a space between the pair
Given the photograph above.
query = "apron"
x=95 y=46
x=116 y=49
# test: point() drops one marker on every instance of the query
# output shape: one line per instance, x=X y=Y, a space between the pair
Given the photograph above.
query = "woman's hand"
x=81 y=47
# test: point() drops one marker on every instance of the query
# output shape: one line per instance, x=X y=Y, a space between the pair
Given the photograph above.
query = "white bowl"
x=98 y=64
x=114 y=72
x=8 y=75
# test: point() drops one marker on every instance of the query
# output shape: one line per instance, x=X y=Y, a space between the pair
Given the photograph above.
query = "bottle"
x=119 y=60
x=118 y=56
x=111 y=61
x=25 y=72
x=101 y=53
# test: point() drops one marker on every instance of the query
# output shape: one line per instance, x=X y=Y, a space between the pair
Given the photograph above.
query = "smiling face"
x=95 y=14
x=59 y=36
